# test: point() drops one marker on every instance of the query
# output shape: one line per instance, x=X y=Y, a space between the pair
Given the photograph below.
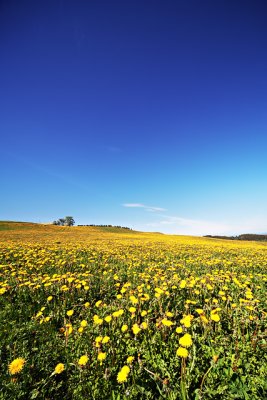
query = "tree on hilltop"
x=67 y=221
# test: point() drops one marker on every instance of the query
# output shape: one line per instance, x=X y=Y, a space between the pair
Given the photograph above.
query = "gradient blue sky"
x=149 y=114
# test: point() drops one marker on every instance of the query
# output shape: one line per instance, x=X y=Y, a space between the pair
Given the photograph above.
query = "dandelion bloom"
x=118 y=313
x=182 y=352
x=84 y=323
x=101 y=357
x=133 y=300
x=97 y=320
x=98 y=340
x=169 y=314
x=124 y=328
x=108 y=318
x=16 y=366
x=215 y=317
x=123 y=374
x=179 y=329
x=204 y=319
x=59 y=368
x=130 y=359
x=83 y=360
x=136 y=329
x=105 y=339
x=182 y=284
x=186 y=340
x=49 y=298
x=166 y=322
x=70 y=313
x=144 y=325
x=69 y=329
x=186 y=320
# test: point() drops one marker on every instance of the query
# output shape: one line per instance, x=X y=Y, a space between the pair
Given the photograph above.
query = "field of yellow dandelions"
x=95 y=313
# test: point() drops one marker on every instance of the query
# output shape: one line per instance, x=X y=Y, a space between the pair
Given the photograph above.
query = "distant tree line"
x=67 y=221
x=244 y=236
x=108 y=226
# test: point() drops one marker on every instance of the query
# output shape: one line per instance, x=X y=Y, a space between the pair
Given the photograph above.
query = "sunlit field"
x=98 y=313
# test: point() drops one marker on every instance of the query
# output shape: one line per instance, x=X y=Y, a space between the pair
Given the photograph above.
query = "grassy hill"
x=82 y=305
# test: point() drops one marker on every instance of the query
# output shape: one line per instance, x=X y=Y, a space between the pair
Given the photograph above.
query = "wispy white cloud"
x=147 y=208
x=186 y=226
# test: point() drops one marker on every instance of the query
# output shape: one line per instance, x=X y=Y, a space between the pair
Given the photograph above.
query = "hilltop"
x=15 y=231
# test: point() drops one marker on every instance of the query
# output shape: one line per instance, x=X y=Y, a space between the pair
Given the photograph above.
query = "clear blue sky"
x=149 y=114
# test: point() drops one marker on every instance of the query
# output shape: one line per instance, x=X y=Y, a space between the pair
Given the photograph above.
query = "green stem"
x=204 y=377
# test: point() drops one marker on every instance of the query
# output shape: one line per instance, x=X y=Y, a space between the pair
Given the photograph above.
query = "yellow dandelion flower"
x=179 y=329
x=132 y=309
x=124 y=328
x=49 y=298
x=182 y=352
x=215 y=317
x=101 y=357
x=83 y=360
x=84 y=323
x=97 y=320
x=130 y=359
x=59 y=368
x=123 y=374
x=186 y=340
x=136 y=329
x=105 y=339
x=118 y=313
x=186 y=321
x=182 y=284
x=68 y=330
x=204 y=319
x=166 y=322
x=70 y=313
x=16 y=366
x=98 y=340
x=169 y=314
x=133 y=300
x=108 y=318
x=144 y=325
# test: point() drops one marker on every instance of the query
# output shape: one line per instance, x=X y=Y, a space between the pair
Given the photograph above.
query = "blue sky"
x=149 y=114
